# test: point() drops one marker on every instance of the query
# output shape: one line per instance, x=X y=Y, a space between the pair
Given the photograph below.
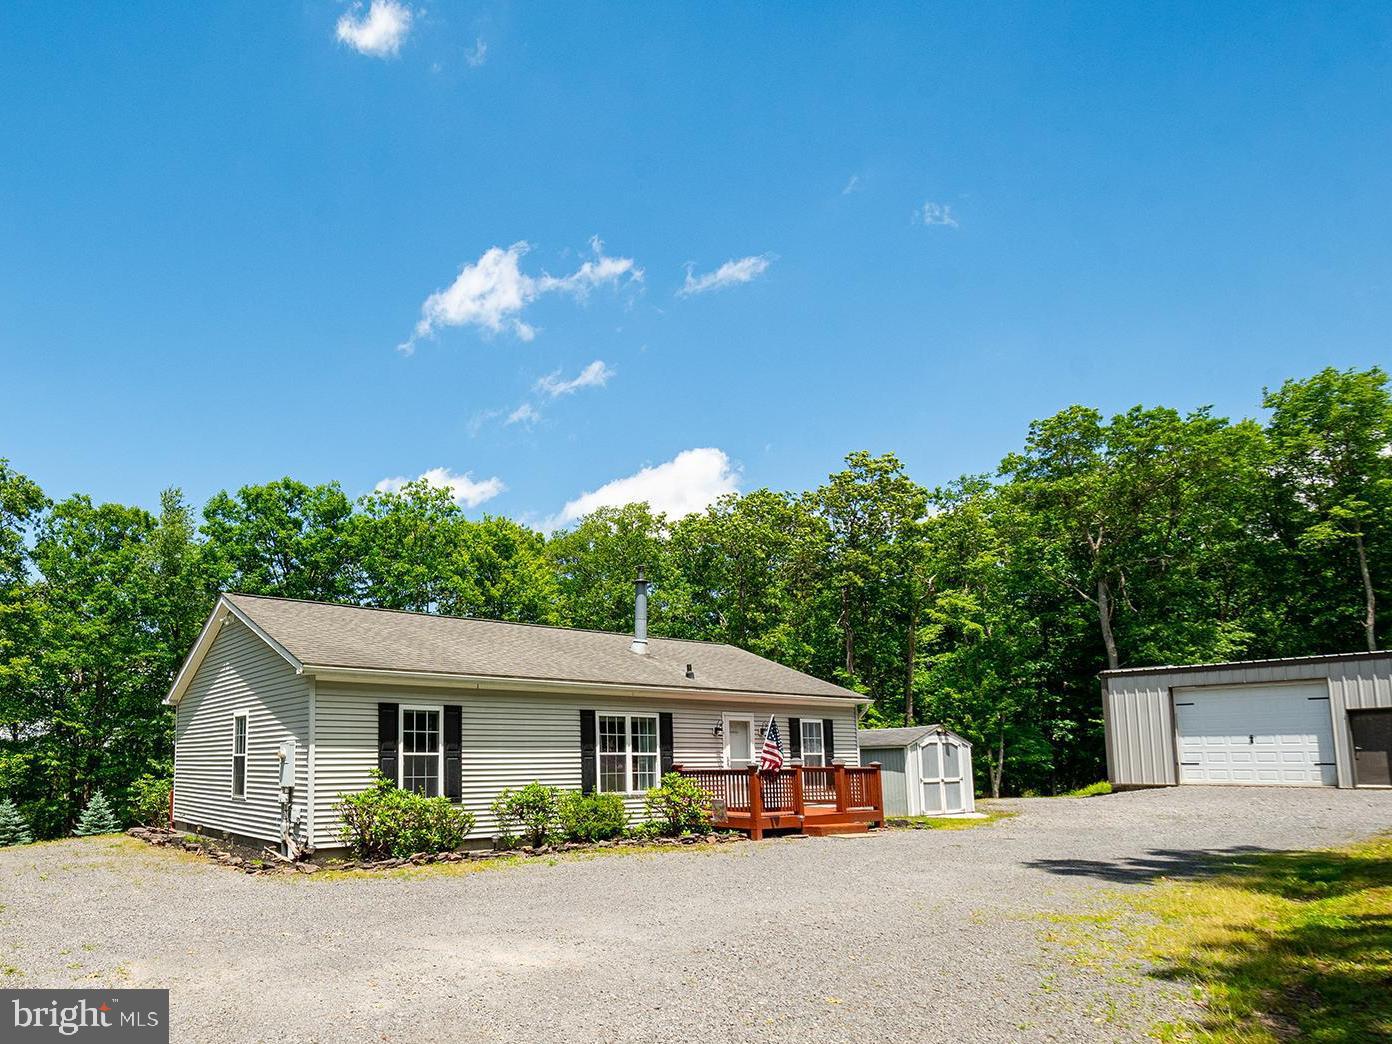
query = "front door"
x=1372 y=747
x=739 y=742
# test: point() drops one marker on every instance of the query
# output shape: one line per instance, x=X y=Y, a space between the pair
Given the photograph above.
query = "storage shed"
x=925 y=771
x=1307 y=721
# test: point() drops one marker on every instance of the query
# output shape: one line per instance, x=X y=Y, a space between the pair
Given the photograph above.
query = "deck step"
x=825 y=829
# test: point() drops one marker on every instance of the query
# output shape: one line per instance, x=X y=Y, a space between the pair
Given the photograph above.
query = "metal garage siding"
x=1356 y=685
x=239 y=672
x=512 y=738
x=1140 y=731
x=893 y=777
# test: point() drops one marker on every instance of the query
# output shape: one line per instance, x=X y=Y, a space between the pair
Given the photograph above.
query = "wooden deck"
x=817 y=800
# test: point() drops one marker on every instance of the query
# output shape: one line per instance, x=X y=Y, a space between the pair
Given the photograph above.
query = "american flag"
x=771 y=756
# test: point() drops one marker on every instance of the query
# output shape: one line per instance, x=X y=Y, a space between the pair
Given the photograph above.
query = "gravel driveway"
x=933 y=932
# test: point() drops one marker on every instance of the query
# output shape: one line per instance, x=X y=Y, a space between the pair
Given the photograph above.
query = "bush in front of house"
x=13 y=829
x=149 y=800
x=679 y=806
x=592 y=817
x=385 y=821
x=96 y=818
x=528 y=814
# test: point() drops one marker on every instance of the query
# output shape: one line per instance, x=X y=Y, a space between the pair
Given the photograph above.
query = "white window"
x=239 y=753
x=813 y=751
x=628 y=753
x=421 y=755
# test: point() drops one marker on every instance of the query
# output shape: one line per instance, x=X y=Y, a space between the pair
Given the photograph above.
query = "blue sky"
x=217 y=228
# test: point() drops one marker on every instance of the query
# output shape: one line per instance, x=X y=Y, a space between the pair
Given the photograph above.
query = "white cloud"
x=687 y=483
x=595 y=375
x=524 y=414
x=743 y=270
x=379 y=33
x=492 y=292
x=935 y=214
x=478 y=55
x=463 y=488
x=852 y=186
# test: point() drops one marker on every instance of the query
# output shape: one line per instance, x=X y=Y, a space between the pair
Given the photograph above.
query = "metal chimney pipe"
x=640 y=615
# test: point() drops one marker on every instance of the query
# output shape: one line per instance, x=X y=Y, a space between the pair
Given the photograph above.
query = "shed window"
x=813 y=749
x=420 y=750
x=628 y=752
x=239 y=753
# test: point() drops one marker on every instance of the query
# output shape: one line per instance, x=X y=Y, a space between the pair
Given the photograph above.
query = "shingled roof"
x=324 y=634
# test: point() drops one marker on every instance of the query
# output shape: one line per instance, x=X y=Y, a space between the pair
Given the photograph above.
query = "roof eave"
x=222 y=612
x=366 y=676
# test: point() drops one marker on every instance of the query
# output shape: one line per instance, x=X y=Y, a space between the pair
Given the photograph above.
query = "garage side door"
x=1256 y=734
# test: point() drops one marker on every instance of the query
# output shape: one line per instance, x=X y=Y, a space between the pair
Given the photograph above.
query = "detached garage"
x=1305 y=722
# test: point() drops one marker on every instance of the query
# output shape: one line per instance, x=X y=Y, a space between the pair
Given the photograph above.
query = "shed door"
x=1372 y=747
x=1256 y=734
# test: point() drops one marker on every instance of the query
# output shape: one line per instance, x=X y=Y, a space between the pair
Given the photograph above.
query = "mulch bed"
x=270 y=862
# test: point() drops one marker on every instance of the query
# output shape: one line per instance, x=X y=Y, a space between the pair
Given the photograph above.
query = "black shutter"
x=828 y=740
x=664 y=741
x=454 y=744
x=589 y=774
x=794 y=737
x=387 y=739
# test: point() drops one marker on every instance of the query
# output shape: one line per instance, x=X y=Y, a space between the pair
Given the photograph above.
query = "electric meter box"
x=287 y=763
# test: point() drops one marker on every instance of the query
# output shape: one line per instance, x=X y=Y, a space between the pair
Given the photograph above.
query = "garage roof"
x=1280 y=661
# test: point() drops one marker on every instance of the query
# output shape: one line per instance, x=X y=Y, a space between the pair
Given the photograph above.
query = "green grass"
x=944 y=822
x=1091 y=790
x=1282 y=946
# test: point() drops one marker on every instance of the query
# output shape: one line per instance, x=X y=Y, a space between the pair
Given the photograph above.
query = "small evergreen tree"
x=96 y=818
x=13 y=829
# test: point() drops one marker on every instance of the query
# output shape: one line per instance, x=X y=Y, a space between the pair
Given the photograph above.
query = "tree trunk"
x=1104 y=616
x=909 y=667
x=1369 y=602
x=997 y=765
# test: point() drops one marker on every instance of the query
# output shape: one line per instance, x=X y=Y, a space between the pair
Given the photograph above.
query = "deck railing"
x=762 y=798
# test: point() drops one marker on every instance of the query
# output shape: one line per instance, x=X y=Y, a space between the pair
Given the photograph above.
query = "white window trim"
x=753 y=732
x=628 y=754
x=820 y=728
x=401 y=710
x=243 y=715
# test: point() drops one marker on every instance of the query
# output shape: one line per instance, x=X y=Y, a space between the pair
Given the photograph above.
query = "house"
x=283 y=705
x=925 y=770
x=1307 y=721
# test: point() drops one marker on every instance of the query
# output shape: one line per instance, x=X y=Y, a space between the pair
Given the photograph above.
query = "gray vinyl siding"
x=239 y=672
x=512 y=738
x=893 y=777
x=1138 y=709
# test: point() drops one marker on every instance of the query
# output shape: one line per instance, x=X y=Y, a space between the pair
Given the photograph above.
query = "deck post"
x=798 y=809
x=877 y=791
x=756 y=804
x=843 y=788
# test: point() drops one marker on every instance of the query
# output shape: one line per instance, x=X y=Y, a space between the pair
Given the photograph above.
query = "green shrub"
x=96 y=818
x=13 y=829
x=531 y=811
x=149 y=800
x=592 y=817
x=385 y=821
x=1091 y=790
x=679 y=806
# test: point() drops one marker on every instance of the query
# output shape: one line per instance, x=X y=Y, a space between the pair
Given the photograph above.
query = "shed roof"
x=356 y=638
x=897 y=737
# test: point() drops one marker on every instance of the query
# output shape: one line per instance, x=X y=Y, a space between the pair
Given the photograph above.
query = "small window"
x=813 y=751
x=628 y=753
x=420 y=750
x=239 y=753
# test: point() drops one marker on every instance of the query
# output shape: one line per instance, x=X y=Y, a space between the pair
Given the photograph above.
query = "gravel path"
x=932 y=933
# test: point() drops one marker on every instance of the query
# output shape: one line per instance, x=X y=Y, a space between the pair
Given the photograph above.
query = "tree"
x=96 y=818
x=13 y=829
x=1331 y=437
x=283 y=538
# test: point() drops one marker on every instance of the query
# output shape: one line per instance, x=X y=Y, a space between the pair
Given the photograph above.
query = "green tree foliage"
x=13 y=829
x=96 y=818
x=988 y=605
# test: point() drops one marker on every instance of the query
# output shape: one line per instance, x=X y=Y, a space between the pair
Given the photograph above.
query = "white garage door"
x=1263 y=734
